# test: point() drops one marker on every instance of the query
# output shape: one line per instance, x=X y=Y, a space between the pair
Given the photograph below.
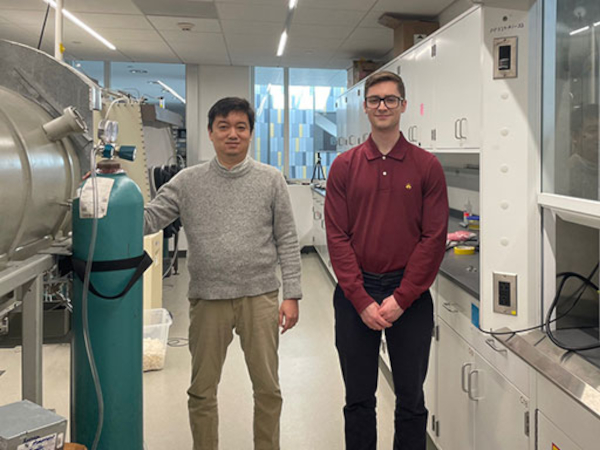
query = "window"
x=313 y=128
x=92 y=69
x=570 y=149
x=269 y=103
x=573 y=88
x=312 y=118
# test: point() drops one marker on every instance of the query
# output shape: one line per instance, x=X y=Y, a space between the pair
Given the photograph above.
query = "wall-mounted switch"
x=505 y=58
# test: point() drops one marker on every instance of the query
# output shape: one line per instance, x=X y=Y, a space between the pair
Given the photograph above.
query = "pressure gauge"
x=108 y=131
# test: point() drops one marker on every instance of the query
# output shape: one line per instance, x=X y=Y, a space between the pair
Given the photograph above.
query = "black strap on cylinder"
x=139 y=263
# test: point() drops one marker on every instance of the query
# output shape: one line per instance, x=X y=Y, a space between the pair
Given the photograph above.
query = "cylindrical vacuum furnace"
x=40 y=169
x=38 y=178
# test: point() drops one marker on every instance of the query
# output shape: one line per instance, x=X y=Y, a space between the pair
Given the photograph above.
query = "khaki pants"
x=255 y=320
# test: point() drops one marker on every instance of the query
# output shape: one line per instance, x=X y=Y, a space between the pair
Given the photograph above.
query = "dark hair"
x=380 y=77
x=224 y=106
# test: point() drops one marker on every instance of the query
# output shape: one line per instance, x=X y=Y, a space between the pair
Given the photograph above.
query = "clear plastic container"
x=156 y=335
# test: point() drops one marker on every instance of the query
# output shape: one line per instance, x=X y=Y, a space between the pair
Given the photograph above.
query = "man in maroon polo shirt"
x=386 y=213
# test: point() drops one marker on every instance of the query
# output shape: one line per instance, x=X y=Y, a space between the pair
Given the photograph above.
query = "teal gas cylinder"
x=115 y=325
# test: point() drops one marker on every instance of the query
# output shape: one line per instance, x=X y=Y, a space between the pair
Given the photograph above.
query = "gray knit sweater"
x=239 y=225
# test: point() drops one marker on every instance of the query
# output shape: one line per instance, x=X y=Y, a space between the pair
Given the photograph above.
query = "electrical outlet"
x=505 y=293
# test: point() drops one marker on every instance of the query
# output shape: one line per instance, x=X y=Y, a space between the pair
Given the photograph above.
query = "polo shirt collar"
x=398 y=152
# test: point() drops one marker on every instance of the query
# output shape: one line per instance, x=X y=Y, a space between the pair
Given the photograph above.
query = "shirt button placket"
x=385 y=176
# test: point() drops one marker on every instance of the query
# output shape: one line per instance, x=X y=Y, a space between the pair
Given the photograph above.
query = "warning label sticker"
x=40 y=443
x=555 y=447
x=86 y=199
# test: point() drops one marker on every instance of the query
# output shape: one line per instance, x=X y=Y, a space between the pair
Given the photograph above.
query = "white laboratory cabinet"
x=442 y=77
x=550 y=437
x=483 y=390
x=353 y=115
x=454 y=415
x=342 y=122
x=457 y=66
x=418 y=71
x=562 y=421
x=319 y=235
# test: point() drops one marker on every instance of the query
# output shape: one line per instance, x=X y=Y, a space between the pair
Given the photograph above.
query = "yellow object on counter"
x=473 y=222
x=464 y=250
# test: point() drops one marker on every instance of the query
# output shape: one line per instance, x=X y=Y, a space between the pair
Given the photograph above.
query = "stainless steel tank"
x=37 y=178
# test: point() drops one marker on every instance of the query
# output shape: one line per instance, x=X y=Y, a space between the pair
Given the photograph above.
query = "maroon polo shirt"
x=383 y=214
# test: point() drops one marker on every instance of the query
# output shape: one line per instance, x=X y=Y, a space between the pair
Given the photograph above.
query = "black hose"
x=43 y=27
x=578 y=292
x=586 y=283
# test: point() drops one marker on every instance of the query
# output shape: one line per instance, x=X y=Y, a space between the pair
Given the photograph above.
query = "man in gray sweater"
x=238 y=221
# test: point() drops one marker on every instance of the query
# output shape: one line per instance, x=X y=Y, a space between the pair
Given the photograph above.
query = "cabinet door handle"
x=463 y=377
x=492 y=343
x=460 y=131
x=456 y=135
x=470 y=385
x=449 y=307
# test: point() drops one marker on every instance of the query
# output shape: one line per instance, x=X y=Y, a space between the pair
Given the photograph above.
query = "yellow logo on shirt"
x=408 y=186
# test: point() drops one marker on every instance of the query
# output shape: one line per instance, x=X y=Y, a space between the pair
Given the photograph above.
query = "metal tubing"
x=33 y=327
x=58 y=34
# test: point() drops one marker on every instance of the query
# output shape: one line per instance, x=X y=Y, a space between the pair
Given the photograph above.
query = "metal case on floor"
x=25 y=425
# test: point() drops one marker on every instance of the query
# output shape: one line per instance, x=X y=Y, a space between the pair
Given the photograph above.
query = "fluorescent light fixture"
x=293 y=4
x=79 y=23
x=282 y=43
x=597 y=24
x=170 y=90
x=580 y=30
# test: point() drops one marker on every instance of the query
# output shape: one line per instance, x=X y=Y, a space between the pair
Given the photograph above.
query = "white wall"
x=204 y=86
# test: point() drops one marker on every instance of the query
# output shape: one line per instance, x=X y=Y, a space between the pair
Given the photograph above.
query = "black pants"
x=409 y=342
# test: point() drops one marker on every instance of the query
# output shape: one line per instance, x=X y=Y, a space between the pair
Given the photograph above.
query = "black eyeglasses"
x=390 y=101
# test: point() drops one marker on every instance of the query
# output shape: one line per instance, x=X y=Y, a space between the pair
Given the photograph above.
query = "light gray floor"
x=310 y=379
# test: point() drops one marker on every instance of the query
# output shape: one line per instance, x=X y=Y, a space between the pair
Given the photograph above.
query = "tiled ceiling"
x=323 y=33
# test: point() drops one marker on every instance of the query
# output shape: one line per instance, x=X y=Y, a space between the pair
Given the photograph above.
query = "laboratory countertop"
x=462 y=270
x=319 y=190
x=575 y=375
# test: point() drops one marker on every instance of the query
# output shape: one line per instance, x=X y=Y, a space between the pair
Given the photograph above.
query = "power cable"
x=577 y=294
x=44 y=26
